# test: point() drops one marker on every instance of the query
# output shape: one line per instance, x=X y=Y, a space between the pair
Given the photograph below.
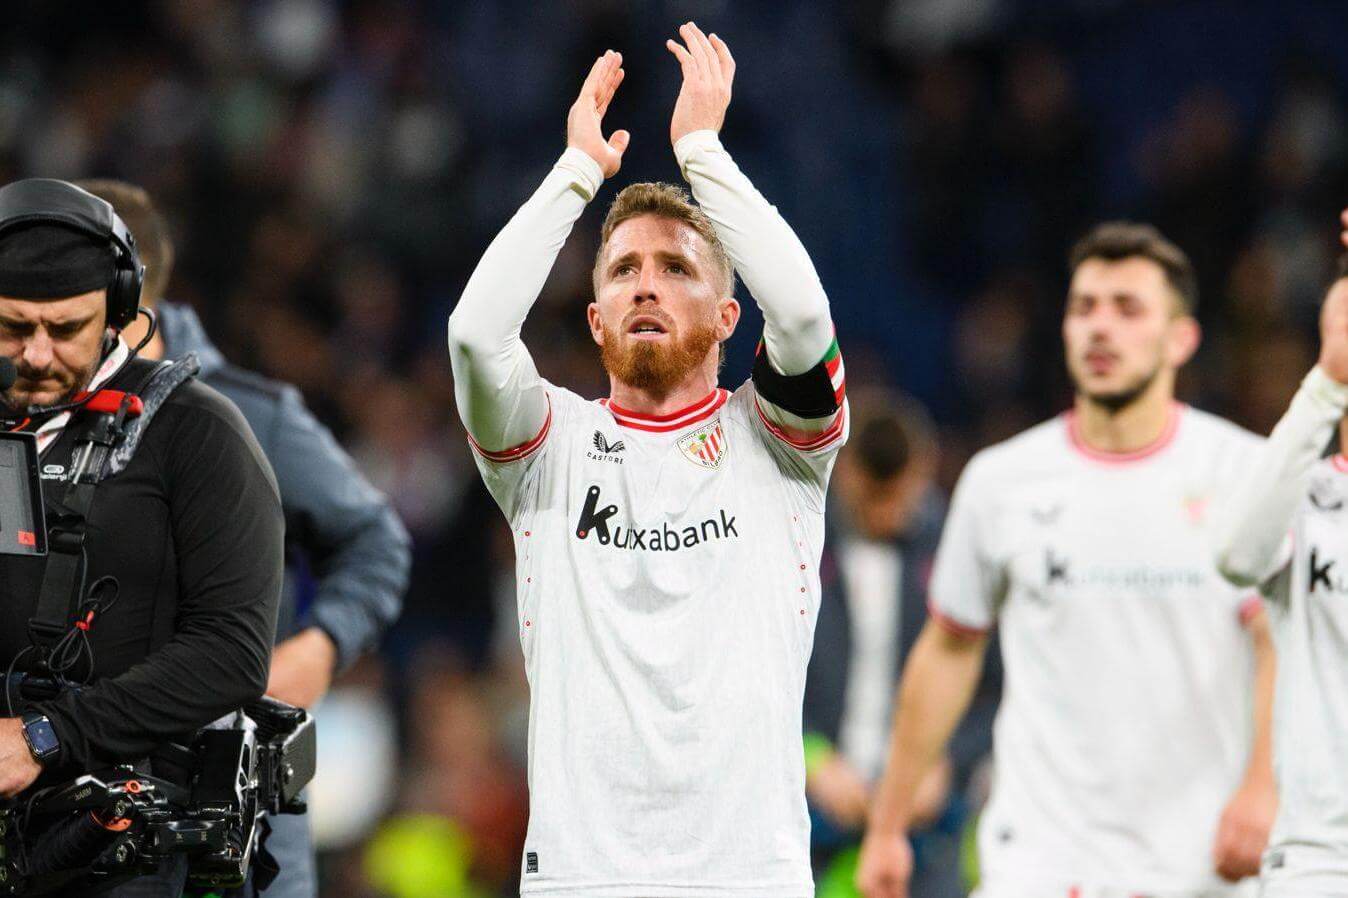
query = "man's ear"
x=1183 y=341
x=596 y=323
x=110 y=333
x=727 y=318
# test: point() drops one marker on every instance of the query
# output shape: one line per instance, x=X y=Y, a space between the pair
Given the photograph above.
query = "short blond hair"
x=672 y=202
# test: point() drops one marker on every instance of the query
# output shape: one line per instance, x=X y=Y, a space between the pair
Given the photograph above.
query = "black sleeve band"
x=808 y=395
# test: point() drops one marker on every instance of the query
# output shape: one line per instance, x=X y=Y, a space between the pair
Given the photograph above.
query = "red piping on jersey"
x=523 y=450
x=1122 y=458
x=807 y=441
x=1340 y=463
x=950 y=625
x=692 y=414
x=1250 y=608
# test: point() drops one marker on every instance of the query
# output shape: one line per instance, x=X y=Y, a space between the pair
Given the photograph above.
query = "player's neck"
x=1343 y=435
x=1134 y=427
x=698 y=385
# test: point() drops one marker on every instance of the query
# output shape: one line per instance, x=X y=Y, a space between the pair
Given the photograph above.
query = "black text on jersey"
x=595 y=519
x=1323 y=577
x=604 y=450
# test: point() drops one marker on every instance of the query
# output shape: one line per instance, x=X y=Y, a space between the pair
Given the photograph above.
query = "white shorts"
x=1248 y=888
x=1296 y=890
x=1309 y=886
x=1301 y=872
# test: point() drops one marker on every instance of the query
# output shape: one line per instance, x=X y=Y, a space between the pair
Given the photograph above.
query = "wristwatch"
x=41 y=738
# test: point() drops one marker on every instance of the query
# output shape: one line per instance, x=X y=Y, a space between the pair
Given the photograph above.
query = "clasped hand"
x=708 y=72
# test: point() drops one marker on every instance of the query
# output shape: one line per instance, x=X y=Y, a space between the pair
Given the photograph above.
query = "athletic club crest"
x=705 y=446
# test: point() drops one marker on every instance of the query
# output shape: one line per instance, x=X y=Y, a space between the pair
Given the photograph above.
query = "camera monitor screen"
x=23 y=528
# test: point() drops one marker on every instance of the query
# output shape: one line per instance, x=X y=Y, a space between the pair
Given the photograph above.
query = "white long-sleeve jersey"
x=1288 y=532
x=1126 y=717
x=666 y=567
x=499 y=392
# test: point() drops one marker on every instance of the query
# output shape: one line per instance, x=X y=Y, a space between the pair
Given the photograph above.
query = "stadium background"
x=333 y=170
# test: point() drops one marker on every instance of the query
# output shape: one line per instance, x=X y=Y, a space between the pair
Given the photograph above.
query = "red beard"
x=653 y=367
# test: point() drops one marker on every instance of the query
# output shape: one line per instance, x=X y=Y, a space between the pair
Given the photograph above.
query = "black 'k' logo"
x=1056 y=567
x=592 y=517
x=1320 y=572
x=605 y=447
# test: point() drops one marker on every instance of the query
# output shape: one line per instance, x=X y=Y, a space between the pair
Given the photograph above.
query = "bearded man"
x=1132 y=740
x=172 y=569
x=667 y=537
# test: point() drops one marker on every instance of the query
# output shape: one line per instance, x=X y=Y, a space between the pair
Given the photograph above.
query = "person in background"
x=1132 y=742
x=1285 y=534
x=339 y=530
x=877 y=560
x=182 y=553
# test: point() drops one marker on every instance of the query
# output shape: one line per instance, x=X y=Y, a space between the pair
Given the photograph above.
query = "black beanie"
x=52 y=261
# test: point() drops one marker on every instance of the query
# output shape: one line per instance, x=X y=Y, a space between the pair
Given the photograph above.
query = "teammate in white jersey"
x=1128 y=760
x=667 y=537
x=1296 y=491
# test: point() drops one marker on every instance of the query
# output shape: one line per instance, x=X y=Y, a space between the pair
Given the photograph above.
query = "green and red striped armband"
x=818 y=393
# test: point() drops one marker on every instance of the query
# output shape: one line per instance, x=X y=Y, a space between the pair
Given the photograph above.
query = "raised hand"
x=708 y=71
x=1334 y=323
x=584 y=122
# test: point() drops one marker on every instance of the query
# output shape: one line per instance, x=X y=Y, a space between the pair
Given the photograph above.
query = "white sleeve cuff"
x=693 y=141
x=1326 y=389
x=588 y=177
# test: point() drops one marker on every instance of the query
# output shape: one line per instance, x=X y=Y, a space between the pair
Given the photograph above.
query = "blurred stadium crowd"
x=332 y=171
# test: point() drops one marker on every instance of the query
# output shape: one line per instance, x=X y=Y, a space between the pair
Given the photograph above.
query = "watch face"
x=41 y=737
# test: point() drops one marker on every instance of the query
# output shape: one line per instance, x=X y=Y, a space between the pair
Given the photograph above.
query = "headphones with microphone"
x=49 y=201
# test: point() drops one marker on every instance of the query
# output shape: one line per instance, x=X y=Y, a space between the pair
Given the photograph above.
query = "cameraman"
x=356 y=547
x=191 y=529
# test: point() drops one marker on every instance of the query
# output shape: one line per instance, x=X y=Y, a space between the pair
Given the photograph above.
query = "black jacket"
x=342 y=527
x=830 y=662
x=192 y=530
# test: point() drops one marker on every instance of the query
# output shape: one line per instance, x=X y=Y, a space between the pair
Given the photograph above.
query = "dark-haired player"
x=1131 y=744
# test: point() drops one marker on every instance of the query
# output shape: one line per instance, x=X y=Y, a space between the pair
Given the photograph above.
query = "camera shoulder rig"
x=107 y=430
x=207 y=800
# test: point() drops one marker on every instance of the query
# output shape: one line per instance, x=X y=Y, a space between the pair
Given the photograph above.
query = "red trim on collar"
x=1340 y=463
x=1119 y=458
x=698 y=411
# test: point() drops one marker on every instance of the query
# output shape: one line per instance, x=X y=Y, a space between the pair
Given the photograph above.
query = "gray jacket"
x=358 y=551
